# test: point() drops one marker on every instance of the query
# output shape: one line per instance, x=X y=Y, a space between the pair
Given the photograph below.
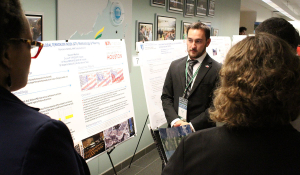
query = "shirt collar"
x=200 y=59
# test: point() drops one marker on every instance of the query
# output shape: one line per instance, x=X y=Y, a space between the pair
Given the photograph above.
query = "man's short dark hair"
x=242 y=29
x=11 y=21
x=200 y=26
x=281 y=28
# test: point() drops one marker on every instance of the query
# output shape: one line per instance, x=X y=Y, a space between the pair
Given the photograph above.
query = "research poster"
x=156 y=57
x=218 y=48
x=86 y=85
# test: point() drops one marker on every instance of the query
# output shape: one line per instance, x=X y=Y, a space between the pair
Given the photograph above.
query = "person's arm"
x=176 y=163
x=52 y=152
x=168 y=99
x=203 y=120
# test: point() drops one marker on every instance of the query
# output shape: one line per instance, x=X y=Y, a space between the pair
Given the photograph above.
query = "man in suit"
x=257 y=98
x=191 y=80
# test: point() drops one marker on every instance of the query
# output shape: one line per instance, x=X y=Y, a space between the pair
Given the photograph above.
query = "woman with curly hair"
x=258 y=97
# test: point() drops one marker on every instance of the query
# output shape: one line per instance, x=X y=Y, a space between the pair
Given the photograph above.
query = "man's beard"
x=199 y=54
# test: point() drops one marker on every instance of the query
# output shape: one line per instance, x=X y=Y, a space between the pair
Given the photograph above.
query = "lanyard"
x=186 y=67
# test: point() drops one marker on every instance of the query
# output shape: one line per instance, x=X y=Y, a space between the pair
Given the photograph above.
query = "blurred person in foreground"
x=31 y=143
x=258 y=96
x=281 y=28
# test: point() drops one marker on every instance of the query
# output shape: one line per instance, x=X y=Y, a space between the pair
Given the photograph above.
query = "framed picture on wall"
x=158 y=3
x=165 y=28
x=201 y=8
x=184 y=26
x=206 y=23
x=175 y=6
x=36 y=26
x=216 y=32
x=189 y=8
x=211 y=8
x=144 y=32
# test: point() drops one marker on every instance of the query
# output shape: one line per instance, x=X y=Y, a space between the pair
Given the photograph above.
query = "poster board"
x=219 y=47
x=156 y=57
x=86 y=85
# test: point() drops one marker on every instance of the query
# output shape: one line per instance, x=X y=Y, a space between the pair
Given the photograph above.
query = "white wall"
x=262 y=12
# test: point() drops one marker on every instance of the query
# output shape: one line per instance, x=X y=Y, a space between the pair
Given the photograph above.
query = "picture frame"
x=144 y=32
x=201 y=8
x=175 y=6
x=158 y=3
x=216 y=32
x=189 y=8
x=211 y=8
x=165 y=27
x=208 y=23
x=36 y=25
x=184 y=26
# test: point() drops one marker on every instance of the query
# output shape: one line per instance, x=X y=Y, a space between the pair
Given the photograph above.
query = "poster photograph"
x=158 y=3
x=184 y=29
x=36 y=26
x=166 y=28
x=201 y=8
x=144 y=32
x=189 y=8
x=211 y=8
x=175 y=6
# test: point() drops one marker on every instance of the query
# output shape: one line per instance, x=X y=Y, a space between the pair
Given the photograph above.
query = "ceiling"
x=292 y=7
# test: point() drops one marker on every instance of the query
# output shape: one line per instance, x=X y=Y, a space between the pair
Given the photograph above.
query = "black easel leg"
x=108 y=153
x=138 y=141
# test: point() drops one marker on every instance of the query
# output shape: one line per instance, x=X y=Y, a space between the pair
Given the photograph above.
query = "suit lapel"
x=181 y=71
x=205 y=66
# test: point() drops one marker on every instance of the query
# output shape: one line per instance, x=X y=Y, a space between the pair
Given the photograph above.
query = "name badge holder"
x=183 y=102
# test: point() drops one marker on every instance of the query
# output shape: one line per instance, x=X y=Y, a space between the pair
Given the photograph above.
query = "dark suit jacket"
x=226 y=151
x=201 y=94
x=33 y=143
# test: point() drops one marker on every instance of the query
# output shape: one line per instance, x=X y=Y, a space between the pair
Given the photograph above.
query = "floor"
x=149 y=164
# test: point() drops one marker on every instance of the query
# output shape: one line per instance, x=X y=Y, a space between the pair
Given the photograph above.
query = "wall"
x=247 y=19
x=262 y=12
x=226 y=19
x=48 y=9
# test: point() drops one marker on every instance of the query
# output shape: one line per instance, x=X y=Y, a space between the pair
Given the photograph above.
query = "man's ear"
x=208 y=42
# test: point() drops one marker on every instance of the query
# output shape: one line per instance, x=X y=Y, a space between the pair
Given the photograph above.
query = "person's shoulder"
x=215 y=64
x=180 y=60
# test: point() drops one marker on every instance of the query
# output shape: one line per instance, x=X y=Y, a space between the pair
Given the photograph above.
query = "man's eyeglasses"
x=36 y=46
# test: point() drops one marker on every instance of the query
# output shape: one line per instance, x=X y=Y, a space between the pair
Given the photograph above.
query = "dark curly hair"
x=260 y=84
x=11 y=21
x=281 y=28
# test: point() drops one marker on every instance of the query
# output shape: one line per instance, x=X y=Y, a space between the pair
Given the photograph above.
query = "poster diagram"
x=86 y=85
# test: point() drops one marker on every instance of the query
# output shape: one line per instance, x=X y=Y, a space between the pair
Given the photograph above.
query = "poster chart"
x=218 y=48
x=156 y=58
x=86 y=85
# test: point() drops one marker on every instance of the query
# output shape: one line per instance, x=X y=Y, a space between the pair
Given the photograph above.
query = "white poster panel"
x=157 y=57
x=86 y=85
x=218 y=48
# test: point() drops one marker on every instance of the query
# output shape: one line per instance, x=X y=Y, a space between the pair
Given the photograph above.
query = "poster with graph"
x=86 y=85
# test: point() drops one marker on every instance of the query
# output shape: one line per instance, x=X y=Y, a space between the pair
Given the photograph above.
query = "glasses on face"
x=36 y=46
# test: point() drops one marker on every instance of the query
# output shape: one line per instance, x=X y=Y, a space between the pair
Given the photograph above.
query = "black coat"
x=226 y=151
x=33 y=143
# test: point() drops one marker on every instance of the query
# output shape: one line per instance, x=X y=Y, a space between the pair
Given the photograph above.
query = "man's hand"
x=180 y=123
